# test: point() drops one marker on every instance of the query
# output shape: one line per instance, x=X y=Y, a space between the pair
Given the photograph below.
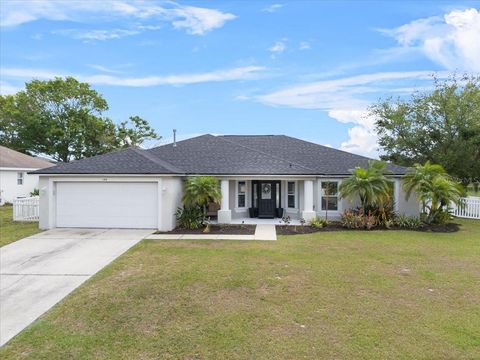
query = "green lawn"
x=342 y=295
x=10 y=230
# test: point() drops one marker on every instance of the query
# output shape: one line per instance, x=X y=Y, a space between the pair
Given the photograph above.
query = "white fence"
x=26 y=209
x=469 y=208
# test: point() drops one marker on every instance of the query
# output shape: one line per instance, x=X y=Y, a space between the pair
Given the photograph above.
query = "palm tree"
x=434 y=188
x=370 y=184
x=201 y=191
x=419 y=178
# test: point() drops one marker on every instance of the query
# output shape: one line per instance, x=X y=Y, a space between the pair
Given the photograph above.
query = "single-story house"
x=15 y=179
x=136 y=188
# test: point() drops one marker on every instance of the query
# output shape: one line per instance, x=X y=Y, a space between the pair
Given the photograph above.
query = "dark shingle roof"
x=224 y=155
x=128 y=161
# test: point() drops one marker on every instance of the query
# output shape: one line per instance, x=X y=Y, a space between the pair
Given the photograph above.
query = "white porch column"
x=224 y=214
x=396 y=195
x=308 y=213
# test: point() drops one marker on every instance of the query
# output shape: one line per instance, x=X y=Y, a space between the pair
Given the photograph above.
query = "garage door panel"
x=107 y=205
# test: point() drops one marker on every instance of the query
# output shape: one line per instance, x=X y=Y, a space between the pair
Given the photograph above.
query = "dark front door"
x=266 y=199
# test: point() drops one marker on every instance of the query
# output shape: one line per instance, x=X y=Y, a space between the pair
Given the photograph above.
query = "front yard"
x=10 y=230
x=344 y=295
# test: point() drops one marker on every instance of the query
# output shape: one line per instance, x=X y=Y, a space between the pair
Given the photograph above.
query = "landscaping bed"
x=337 y=226
x=215 y=230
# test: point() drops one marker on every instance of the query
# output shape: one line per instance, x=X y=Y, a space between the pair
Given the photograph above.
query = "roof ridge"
x=264 y=153
x=146 y=154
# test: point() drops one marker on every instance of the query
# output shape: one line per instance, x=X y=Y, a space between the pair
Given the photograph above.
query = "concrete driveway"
x=40 y=270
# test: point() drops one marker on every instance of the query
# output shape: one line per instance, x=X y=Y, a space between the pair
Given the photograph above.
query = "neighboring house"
x=14 y=178
x=137 y=188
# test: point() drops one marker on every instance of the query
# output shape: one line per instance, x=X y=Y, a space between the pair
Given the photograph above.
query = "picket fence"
x=26 y=209
x=468 y=208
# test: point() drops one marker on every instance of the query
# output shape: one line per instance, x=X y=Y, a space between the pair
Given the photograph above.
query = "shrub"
x=35 y=192
x=357 y=219
x=408 y=222
x=318 y=223
x=190 y=218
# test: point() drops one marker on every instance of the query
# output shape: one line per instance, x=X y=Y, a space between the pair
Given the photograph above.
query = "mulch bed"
x=336 y=226
x=215 y=230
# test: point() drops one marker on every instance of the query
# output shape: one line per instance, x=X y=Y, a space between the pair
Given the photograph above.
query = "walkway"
x=262 y=232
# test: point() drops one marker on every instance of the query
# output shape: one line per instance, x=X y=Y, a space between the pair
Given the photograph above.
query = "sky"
x=308 y=69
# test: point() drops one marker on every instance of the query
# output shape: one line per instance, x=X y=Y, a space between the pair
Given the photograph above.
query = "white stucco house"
x=15 y=180
x=261 y=176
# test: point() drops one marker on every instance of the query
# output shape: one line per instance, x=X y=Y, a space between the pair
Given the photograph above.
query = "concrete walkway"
x=262 y=232
x=39 y=271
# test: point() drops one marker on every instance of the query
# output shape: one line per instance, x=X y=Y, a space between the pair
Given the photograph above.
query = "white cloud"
x=198 y=21
x=272 y=8
x=361 y=141
x=339 y=93
x=105 y=69
x=345 y=100
x=304 y=45
x=452 y=41
x=7 y=89
x=194 y=20
x=240 y=73
x=278 y=48
x=97 y=35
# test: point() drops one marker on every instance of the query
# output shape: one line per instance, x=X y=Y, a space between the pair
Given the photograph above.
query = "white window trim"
x=21 y=175
x=295 y=194
x=339 y=199
x=237 y=208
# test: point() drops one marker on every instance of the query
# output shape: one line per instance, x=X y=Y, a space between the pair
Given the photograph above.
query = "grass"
x=10 y=230
x=343 y=295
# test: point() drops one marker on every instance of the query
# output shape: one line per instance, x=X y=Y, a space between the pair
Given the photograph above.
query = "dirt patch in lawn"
x=215 y=230
x=336 y=226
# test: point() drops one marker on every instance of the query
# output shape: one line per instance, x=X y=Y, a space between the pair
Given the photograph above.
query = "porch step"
x=265 y=232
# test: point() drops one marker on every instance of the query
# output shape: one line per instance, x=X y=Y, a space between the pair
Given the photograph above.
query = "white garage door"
x=107 y=205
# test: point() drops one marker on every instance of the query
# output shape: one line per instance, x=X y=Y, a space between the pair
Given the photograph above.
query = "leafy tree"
x=63 y=118
x=201 y=191
x=434 y=188
x=370 y=185
x=441 y=126
x=134 y=132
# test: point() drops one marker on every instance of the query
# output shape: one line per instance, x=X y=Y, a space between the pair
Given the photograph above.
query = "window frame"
x=238 y=193
x=20 y=178
x=336 y=196
x=295 y=195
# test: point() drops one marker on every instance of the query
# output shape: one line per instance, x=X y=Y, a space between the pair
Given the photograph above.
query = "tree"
x=434 y=188
x=370 y=185
x=201 y=191
x=134 y=132
x=63 y=119
x=441 y=126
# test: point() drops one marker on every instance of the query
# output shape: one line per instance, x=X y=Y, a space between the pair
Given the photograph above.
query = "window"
x=255 y=195
x=20 y=178
x=329 y=195
x=241 y=194
x=291 y=194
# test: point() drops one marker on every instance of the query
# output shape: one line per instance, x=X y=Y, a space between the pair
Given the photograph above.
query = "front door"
x=267 y=199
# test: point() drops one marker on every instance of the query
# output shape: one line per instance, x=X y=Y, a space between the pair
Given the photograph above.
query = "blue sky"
x=302 y=68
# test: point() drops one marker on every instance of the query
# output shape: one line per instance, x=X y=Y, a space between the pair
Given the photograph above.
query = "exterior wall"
x=169 y=196
x=410 y=207
x=9 y=190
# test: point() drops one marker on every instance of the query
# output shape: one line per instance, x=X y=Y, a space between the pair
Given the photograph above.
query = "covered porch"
x=266 y=200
